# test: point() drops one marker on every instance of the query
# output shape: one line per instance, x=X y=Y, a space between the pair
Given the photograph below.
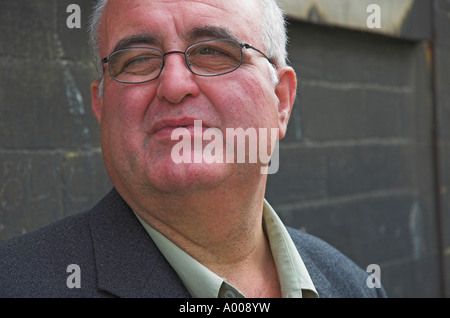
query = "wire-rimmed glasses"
x=136 y=65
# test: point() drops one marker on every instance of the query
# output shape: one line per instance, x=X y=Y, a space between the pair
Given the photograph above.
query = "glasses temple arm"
x=248 y=46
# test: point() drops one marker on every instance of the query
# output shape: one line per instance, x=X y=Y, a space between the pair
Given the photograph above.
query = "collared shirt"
x=201 y=282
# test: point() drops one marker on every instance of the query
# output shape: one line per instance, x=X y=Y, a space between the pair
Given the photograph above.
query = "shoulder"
x=64 y=238
x=333 y=273
x=113 y=254
x=30 y=262
x=47 y=239
x=315 y=248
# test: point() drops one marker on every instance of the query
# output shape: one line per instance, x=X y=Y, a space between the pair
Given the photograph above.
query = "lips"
x=164 y=128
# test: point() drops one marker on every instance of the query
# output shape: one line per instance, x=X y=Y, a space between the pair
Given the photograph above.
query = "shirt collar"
x=198 y=279
x=203 y=283
x=294 y=277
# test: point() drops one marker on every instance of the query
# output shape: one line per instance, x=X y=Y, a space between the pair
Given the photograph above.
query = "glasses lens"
x=136 y=65
x=215 y=57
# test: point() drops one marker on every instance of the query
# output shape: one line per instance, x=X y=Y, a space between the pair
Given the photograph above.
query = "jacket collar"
x=128 y=262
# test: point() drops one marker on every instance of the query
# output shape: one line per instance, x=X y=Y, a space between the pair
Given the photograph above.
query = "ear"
x=286 y=90
x=96 y=101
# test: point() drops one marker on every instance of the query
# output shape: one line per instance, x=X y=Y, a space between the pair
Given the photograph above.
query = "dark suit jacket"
x=117 y=257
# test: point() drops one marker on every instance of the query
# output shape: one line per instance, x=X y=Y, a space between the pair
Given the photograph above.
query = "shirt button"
x=229 y=294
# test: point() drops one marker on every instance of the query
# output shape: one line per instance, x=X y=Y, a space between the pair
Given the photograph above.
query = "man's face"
x=138 y=155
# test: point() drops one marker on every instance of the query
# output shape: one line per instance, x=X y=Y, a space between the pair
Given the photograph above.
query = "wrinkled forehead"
x=171 y=22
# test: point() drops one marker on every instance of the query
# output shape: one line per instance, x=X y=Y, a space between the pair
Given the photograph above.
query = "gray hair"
x=273 y=35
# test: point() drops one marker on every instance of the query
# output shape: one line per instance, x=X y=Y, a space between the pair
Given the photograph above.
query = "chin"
x=189 y=178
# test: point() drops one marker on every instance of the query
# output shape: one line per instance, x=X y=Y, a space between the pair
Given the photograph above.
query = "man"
x=183 y=229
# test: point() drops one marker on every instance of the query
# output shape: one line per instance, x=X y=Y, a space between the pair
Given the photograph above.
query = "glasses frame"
x=242 y=46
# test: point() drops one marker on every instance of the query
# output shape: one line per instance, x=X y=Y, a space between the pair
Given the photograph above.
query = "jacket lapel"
x=128 y=262
x=303 y=244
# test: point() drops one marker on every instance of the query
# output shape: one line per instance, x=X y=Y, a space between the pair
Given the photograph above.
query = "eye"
x=215 y=57
x=141 y=64
x=138 y=60
x=209 y=50
x=135 y=61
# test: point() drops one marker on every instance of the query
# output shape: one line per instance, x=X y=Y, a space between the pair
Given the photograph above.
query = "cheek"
x=123 y=119
x=246 y=102
x=126 y=105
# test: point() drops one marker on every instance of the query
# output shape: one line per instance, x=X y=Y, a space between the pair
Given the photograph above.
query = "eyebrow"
x=134 y=39
x=210 y=32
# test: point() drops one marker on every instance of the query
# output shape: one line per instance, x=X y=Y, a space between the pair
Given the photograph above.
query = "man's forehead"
x=199 y=7
x=212 y=3
x=190 y=17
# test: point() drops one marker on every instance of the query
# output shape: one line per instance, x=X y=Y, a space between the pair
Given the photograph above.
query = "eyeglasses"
x=216 y=57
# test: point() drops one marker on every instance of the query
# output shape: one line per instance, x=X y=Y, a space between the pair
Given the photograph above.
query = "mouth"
x=165 y=128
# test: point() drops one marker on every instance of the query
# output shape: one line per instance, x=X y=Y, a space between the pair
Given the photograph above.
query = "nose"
x=176 y=81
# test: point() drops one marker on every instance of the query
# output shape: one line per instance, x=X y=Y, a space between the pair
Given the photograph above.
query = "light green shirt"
x=203 y=283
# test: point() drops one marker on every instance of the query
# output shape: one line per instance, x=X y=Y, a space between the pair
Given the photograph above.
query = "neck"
x=214 y=227
x=222 y=225
x=221 y=229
